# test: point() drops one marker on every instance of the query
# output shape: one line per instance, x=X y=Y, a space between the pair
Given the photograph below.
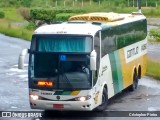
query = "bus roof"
x=68 y=28
x=89 y=24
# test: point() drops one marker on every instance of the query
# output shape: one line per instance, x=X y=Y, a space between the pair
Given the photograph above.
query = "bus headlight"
x=83 y=98
x=34 y=97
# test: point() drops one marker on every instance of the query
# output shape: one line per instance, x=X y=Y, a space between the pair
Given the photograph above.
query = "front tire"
x=103 y=106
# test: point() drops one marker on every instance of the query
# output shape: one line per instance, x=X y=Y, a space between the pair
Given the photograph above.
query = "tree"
x=26 y=3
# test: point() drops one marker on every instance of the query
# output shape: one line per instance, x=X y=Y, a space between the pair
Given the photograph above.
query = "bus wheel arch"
x=103 y=106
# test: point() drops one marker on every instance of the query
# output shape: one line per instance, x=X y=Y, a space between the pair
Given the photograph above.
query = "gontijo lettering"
x=132 y=52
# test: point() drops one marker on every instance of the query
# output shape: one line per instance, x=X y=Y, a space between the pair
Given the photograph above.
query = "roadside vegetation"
x=19 y=18
x=154 y=35
x=153 y=68
x=13 y=24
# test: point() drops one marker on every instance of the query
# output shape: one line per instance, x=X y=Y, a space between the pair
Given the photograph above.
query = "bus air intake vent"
x=98 y=17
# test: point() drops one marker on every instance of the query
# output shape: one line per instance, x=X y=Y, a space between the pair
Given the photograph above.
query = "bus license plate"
x=58 y=106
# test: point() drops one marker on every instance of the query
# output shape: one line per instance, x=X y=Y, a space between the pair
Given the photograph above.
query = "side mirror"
x=22 y=58
x=93 y=57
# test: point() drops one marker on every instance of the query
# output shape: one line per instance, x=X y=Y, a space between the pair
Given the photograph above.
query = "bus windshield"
x=47 y=61
x=63 y=43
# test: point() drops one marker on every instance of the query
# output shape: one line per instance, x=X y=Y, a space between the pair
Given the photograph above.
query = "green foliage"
x=95 y=0
x=2 y=15
x=155 y=35
x=30 y=26
x=26 y=3
x=152 y=12
x=15 y=3
x=16 y=32
x=50 y=12
x=153 y=69
x=51 y=3
x=68 y=10
x=25 y=13
x=11 y=14
x=43 y=14
x=50 y=15
x=63 y=16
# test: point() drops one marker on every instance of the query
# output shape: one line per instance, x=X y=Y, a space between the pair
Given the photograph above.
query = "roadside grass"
x=19 y=32
x=16 y=32
x=151 y=11
x=153 y=41
x=154 y=35
x=153 y=69
x=6 y=27
x=11 y=14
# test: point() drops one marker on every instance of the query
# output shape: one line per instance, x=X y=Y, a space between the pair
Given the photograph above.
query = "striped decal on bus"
x=73 y=93
x=116 y=71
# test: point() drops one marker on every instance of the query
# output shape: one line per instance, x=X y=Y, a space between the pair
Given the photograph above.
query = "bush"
x=52 y=15
x=63 y=16
x=17 y=32
x=155 y=34
x=64 y=10
x=25 y=13
x=2 y=15
x=43 y=14
x=31 y=26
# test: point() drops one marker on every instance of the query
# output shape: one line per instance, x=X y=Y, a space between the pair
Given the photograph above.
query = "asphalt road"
x=14 y=86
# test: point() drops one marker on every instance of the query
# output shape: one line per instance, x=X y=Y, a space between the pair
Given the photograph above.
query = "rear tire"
x=103 y=106
x=135 y=82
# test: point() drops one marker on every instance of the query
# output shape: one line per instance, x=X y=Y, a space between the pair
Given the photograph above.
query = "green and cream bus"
x=81 y=63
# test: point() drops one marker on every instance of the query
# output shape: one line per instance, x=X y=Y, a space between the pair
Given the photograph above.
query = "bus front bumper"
x=61 y=105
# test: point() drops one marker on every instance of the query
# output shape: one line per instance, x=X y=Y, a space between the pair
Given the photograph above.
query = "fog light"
x=34 y=97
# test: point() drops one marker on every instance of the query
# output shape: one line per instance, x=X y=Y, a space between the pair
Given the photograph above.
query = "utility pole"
x=139 y=6
x=56 y=3
x=99 y=2
x=146 y=3
x=82 y=3
x=64 y=3
x=73 y=3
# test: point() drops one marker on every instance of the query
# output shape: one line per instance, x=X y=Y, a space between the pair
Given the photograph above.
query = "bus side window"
x=108 y=41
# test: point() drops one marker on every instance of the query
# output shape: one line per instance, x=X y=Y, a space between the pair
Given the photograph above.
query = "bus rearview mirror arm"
x=93 y=58
x=22 y=58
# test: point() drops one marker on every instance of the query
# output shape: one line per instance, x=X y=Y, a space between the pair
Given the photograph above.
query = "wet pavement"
x=154 y=51
x=14 y=86
x=153 y=21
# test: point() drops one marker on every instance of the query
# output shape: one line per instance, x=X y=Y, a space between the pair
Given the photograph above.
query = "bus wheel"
x=135 y=83
x=103 y=106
